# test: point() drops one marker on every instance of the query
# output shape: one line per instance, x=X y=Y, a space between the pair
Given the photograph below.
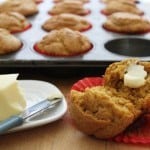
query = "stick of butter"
x=12 y=100
x=135 y=76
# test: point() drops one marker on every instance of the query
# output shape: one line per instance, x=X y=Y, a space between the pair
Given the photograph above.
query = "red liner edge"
x=87 y=13
x=57 y=55
x=26 y=28
x=128 y=33
x=107 y=13
x=137 y=133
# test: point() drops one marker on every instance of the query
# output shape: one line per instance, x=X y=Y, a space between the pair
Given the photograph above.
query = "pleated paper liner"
x=137 y=133
x=25 y=29
x=60 y=55
x=82 y=14
x=104 y=12
x=81 y=30
x=39 y=1
x=127 y=33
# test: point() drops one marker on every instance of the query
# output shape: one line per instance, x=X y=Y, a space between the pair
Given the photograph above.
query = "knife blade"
x=29 y=112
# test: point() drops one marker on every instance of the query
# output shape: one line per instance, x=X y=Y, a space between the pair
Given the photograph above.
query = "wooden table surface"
x=59 y=135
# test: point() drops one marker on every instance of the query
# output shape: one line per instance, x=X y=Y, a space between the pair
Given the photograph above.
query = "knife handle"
x=10 y=123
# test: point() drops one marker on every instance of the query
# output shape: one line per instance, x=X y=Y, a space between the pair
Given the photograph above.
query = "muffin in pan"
x=14 y=22
x=25 y=7
x=83 y=1
x=130 y=1
x=71 y=21
x=8 y=42
x=115 y=6
x=107 y=110
x=73 y=7
x=123 y=22
x=63 y=42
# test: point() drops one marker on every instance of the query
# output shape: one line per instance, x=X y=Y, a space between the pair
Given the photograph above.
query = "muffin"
x=106 y=111
x=83 y=1
x=73 y=7
x=14 y=22
x=130 y=1
x=8 y=42
x=115 y=6
x=38 y=1
x=25 y=7
x=63 y=42
x=123 y=22
x=71 y=21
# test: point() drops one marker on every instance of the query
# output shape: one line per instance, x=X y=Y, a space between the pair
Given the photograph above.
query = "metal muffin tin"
x=98 y=56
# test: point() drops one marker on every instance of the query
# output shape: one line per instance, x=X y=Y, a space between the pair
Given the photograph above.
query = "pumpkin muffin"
x=25 y=7
x=83 y=1
x=14 y=22
x=130 y=1
x=71 y=21
x=115 y=6
x=127 y=23
x=105 y=111
x=73 y=7
x=63 y=42
x=8 y=42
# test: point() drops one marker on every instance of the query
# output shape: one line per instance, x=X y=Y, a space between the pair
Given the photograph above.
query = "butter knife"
x=29 y=112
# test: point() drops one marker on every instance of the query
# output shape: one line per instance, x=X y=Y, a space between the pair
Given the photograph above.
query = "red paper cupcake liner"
x=86 y=13
x=39 y=1
x=57 y=55
x=86 y=29
x=128 y=33
x=26 y=28
x=137 y=133
x=87 y=82
x=107 y=13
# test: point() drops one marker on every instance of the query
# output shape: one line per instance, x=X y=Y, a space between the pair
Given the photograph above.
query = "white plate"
x=35 y=91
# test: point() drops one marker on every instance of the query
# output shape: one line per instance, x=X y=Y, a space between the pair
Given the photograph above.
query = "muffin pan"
x=107 y=46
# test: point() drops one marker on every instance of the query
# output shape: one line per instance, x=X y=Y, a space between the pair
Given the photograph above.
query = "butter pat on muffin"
x=135 y=76
x=12 y=101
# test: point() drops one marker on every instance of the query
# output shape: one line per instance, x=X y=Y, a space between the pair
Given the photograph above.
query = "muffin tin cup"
x=98 y=56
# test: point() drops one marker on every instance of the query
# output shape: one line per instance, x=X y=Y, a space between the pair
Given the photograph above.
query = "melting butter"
x=135 y=76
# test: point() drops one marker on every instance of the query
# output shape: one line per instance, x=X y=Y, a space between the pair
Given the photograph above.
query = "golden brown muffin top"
x=84 y=1
x=25 y=7
x=74 y=7
x=8 y=42
x=129 y=1
x=127 y=23
x=64 y=42
x=13 y=21
x=71 y=21
x=115 y=6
